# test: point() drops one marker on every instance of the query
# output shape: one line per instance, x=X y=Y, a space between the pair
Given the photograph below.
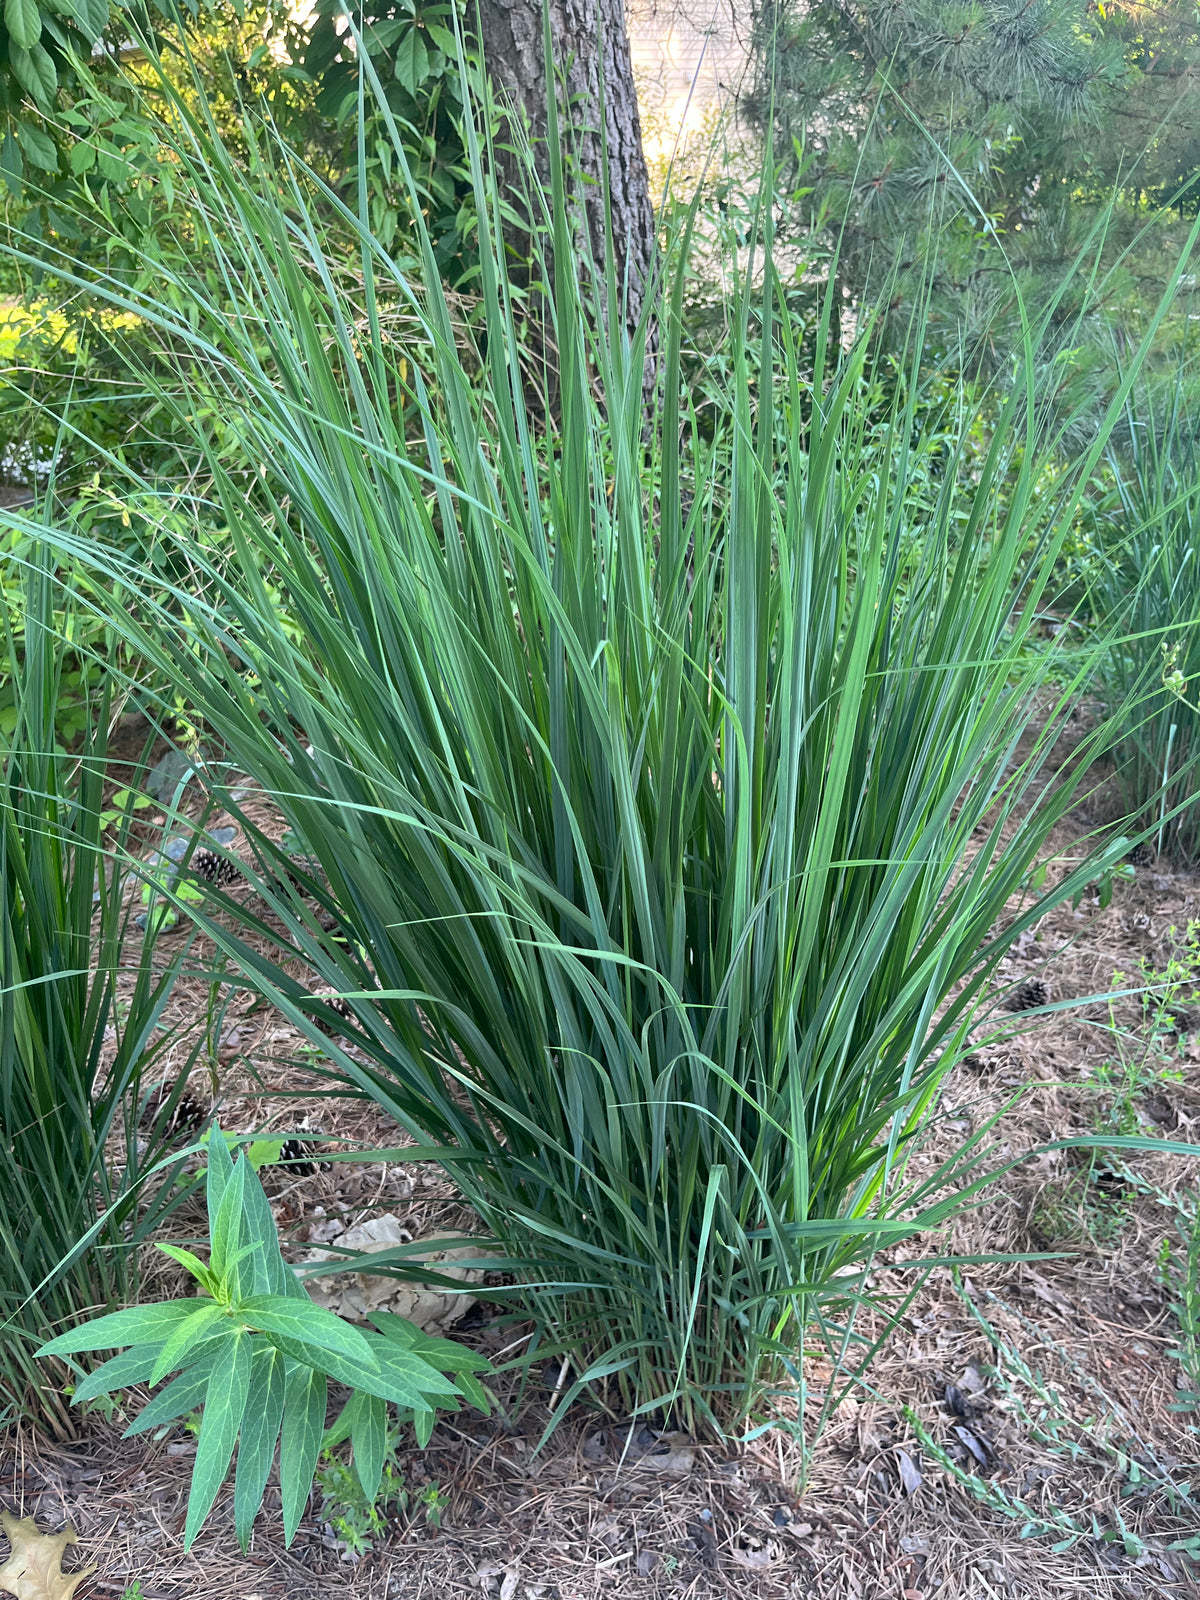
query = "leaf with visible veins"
x=33 y=1570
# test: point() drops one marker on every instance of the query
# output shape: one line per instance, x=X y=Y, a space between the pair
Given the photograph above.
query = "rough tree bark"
x=511 y=36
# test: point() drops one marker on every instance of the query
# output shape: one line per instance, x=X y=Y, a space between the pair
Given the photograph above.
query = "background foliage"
x=973 y=147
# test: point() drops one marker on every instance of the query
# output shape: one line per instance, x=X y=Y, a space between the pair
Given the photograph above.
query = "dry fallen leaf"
x=973 y=1444
x=676 y=1463
x=485 y=1577
x=33 y=1570
x=910 y=1474
x=357 y=1294
x=1046 y=1291
x=767 y=1555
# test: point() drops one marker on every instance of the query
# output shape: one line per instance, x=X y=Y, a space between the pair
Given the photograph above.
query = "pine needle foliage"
x=667 y=783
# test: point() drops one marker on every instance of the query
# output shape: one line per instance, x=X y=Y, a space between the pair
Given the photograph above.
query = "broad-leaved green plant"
x=256 y=1355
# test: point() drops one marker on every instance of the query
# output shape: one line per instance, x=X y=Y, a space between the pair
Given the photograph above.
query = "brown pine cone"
x=187 y=1118
x=220 y=871
x=298 y=1154
x=1027 y=996
x=335 y=1003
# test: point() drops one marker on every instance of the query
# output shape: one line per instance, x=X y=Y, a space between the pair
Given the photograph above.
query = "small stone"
x=165 y=777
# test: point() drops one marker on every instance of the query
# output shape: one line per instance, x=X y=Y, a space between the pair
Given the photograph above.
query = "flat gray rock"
x=166 y=775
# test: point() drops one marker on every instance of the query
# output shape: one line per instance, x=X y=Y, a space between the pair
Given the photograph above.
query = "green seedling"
x=357 y=1522
x=162 y=912
x=255 y=1356
x=123 y=802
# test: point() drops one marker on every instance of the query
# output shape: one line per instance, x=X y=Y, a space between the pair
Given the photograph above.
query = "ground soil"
x=1013 y=1437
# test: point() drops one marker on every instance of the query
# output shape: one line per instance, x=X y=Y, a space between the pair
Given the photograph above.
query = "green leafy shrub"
x=59 y=361
x=37 y=46
x=80 y=1013
x=414 y=52
x=72 y=398
x=666 y=793
x=256 y=1354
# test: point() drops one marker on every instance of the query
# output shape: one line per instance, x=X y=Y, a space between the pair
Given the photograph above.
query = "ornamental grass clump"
x=667 y=792
x=1145 y=586
x=82 y=1034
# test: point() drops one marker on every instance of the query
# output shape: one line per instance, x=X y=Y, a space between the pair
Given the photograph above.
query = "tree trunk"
x=511 y=35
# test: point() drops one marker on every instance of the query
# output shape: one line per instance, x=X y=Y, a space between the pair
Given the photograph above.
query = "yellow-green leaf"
x=38 y=147
x=35 y=72
x=24 y=22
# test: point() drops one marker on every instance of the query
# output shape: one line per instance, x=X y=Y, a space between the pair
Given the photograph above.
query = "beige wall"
x=688 y=62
